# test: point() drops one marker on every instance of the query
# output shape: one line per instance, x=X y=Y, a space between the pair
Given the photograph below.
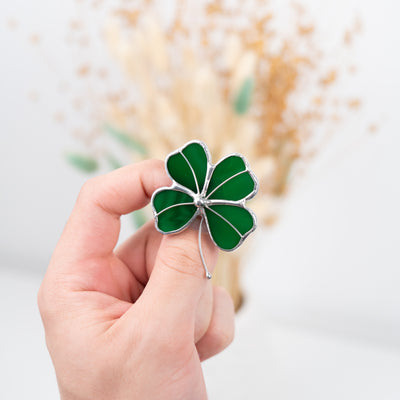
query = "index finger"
x=93 y=227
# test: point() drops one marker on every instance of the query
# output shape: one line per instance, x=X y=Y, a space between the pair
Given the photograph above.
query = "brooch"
x=214 y=192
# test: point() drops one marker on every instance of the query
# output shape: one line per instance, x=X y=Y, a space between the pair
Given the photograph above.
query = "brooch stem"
x=208 y=274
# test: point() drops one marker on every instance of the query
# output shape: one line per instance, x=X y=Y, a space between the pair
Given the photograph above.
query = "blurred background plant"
x=218 y=71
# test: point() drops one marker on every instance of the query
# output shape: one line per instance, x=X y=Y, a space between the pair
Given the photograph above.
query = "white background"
x=322 y=312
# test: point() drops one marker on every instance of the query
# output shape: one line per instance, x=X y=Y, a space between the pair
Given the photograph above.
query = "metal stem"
x=208 y=274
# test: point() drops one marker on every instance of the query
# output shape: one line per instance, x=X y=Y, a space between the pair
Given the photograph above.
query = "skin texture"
x=133 y=322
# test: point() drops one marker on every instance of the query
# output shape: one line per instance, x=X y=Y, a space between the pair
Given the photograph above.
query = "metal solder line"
x=208 y=275
x=174 y=205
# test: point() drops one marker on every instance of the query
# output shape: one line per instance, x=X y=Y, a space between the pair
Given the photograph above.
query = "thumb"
x=178 y=277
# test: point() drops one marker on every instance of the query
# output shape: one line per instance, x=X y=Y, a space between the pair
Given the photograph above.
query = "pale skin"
x=132 y=322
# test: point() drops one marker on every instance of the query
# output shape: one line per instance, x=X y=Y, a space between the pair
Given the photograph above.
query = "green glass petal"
x=228 y=224
x=174 y=210
x=230 y=180
x=168 y=197
x=189 y=166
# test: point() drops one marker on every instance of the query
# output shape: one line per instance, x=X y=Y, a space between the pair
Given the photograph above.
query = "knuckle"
x=223 y=329
x=88 y=189
x=222 y=336
x=45 y=303
x=223 y=295
x=48 y=299
x=40 y=300
x=155 y=164
x=95 y=190
x=226 y=299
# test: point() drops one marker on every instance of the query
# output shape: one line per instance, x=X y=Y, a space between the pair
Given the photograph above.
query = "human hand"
x=133 y=322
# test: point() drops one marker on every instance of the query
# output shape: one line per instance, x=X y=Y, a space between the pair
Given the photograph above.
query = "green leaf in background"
x=114 y=163
x=82 y=162
x=125 y=139
x=243 y=99
x=138 y=218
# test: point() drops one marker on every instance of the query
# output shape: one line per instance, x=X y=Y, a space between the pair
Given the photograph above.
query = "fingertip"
x=161 y=178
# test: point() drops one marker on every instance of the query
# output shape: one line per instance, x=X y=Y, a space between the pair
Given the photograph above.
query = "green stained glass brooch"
x=214 y=192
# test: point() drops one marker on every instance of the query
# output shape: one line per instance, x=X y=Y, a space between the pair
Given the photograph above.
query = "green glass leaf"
x=125 y=139
x=242 y=101
x=231 y=180
x=174 y=210
x=82 y=162
x=188 y=166
x=229 y=225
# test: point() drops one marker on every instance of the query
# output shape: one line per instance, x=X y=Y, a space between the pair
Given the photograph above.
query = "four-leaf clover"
x=217 y=193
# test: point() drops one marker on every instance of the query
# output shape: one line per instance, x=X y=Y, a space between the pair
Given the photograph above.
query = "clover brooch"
x=214 y=192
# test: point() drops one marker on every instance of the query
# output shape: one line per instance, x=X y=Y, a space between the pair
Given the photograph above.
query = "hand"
x=135 y=322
